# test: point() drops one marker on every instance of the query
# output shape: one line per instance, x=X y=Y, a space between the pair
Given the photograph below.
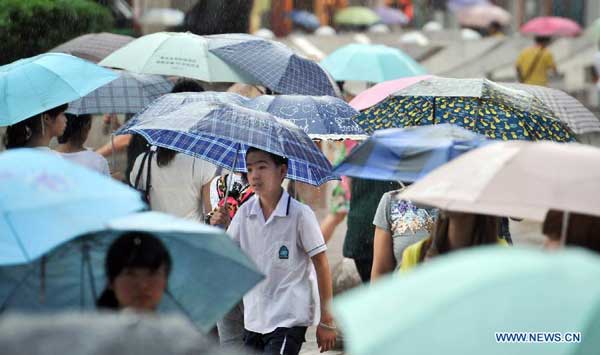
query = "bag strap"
x=139 y=173
x=148 y=175
x=147 y=157
x=533 y=65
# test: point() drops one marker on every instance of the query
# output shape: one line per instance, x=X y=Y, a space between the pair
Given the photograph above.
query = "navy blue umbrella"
x=305 y=19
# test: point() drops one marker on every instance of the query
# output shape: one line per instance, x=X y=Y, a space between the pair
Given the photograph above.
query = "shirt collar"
x=281 y=210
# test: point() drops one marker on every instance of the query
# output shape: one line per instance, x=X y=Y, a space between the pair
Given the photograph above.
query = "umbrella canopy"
x=272 y=64
x=46 y=200
x=162 y=16
x=174 y=53
x=483 y=15
x=567 y=108
x=209 y=275
x=459 y=4
x=130 y=93
x=391 y=16
x=221 y=134
x=355 y=16
x=321 y=117
x=460 y=303
x=379 y=92
x=551 y=26
x=93 y=46
x=594 y=29
x=305 y=19
x=370 y=62
x=407 y=154
x=33 y=85
x=520 y=179
x=479 y=105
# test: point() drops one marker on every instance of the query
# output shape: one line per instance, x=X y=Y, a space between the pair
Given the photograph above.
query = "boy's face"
x=264 y=175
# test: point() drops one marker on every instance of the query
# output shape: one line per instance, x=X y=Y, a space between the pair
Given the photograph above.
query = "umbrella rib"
x=12 y=293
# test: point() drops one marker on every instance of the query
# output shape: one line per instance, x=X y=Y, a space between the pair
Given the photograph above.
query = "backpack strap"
x=147 y=157
x=533 y=65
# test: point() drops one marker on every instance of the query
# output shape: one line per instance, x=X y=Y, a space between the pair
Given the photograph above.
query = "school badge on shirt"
x=284 y=253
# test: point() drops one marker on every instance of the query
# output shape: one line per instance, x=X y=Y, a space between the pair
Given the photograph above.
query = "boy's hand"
x=220 y=217
x=326 y=334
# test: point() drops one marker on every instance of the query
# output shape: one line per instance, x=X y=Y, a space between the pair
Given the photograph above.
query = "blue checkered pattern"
x=216 y=132
x=273 y=65
x=130 y=93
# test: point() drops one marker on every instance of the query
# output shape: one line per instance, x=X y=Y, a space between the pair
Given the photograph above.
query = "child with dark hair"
x=36 y=131
x=72 y=140
x=282 y=237
x=137 y=268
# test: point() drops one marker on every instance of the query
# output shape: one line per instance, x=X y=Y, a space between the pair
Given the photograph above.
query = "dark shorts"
x=287 y=341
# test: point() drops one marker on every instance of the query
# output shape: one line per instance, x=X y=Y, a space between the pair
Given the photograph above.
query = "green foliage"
x=31 y=27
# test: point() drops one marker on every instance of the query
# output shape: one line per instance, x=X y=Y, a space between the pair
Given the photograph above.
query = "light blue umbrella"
x=209 y=275
x=46 y=200
x=33 y=85
x=221 y=133
x=372 y=63
x=408 y=154
x=272 y=64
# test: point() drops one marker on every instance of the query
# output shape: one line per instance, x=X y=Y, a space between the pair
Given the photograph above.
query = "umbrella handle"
x=113 y=162
x=564 y=228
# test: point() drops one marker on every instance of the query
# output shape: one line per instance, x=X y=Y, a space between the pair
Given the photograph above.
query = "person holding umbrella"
x=282 y=237
x=37 y=131
x=582 y=230
x=534 y=63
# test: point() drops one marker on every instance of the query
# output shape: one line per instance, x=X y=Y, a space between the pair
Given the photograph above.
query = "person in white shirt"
x=38 y=130
x=71 y=144
x=282 y=237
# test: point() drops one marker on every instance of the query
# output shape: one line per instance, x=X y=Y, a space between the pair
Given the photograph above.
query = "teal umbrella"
x=174 y=53
x=463 y=303
x=373 y=63
x=33 y=85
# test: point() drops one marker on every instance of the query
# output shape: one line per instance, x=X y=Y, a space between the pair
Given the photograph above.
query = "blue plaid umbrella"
x=130 y=93
x=321 y=117
x=221 y=134
x=272 y=64
x=398 y=154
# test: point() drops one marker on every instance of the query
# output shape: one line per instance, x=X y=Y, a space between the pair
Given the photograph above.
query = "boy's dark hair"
x=18 y=134
x=132 y=250
x=543 y=40
x=187 y=85
x=75 y=125
x=278 y=160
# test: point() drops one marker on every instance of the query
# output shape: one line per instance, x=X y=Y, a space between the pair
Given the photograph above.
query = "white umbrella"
x=517 y=178
x=163 y=16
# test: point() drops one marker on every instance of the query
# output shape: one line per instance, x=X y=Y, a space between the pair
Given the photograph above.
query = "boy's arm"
x=326 y=330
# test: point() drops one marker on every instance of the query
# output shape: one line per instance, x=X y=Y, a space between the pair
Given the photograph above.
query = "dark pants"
x=363 y=266
x=286 y=341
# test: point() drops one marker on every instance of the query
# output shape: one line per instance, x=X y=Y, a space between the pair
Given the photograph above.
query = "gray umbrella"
x=93 y=46
x=130 y=93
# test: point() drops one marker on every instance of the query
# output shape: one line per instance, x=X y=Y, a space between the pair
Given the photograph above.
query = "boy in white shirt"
x=282 y=237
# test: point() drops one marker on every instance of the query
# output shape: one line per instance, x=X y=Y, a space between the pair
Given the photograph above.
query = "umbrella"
x=391 y=16
x=33 y=85
x=483 y=15
x=407 y=154
x=370 y=62
x=272 y=64
x=122 y=333
x=567 y=108
x=594 y=29
x=305 y=19
x=551 y=26
x=209 y=275
x=162 y=16
x=130 y=93
x=46 y=200
x=464 y=302
x=479 y=105
x=520 y=179
x=455 y=5
x=93 y=46
x=178 y=54
x=221 y=134
x=355 y=16
x=379 y=92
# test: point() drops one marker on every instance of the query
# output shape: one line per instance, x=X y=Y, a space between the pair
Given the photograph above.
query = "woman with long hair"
x=37 y=131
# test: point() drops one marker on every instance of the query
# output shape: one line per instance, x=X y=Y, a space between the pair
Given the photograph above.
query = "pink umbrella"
x=379 y=92
x=551 y=26
x=483 y=15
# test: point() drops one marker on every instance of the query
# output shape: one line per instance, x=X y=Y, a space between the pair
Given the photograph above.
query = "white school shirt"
x=89 y=159
x=281 y=248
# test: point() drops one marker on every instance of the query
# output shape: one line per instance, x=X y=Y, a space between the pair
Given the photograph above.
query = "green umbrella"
x=373 y=63
x=356 y=16
x=594 y=29
x=460 y=304
x=178 y=54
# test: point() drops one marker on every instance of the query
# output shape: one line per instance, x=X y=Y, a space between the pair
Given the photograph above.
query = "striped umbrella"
x=93 y=46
